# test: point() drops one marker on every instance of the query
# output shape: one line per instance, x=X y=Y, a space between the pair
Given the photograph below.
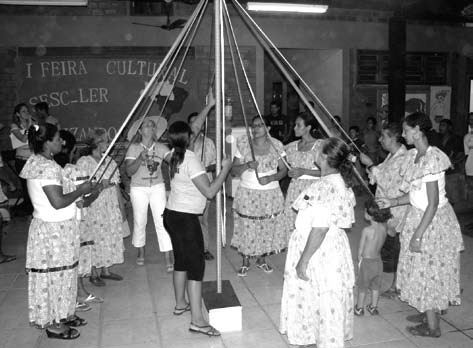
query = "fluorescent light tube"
x=285 y=7
x=45 y=2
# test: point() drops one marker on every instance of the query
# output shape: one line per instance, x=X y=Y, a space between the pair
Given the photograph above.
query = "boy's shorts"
x=370 y=273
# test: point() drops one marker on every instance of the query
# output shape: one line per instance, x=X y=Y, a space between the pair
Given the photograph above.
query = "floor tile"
x=16 y=338
x=447 y=340
x=153 y=344
x=274 y=312
x=21 y=282
x=374 y=329
x=267 y=294
x=461 y=317
x=6 y=280
x=391 y=344
x=137 y=312
x=122 y=332
x=269 y=338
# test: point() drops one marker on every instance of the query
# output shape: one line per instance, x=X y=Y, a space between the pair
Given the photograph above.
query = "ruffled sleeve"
x=432 y=163
x=336 y=201
x=40 y=168
x=278 y=147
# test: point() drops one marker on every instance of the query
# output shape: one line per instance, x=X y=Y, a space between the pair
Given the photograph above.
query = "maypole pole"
x=218 y=134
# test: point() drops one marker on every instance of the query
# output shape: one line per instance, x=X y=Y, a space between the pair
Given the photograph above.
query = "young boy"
x=369 y=256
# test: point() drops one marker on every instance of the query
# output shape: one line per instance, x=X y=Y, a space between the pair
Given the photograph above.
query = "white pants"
x=155 y=197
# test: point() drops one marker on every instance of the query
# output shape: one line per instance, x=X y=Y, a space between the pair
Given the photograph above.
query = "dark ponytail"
x=178 y=135
x=338 y=157
x=39 y=135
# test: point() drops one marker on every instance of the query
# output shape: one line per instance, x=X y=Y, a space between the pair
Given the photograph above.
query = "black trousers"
x=187 y=243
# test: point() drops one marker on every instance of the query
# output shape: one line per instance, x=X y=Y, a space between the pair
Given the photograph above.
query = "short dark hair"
x=69 y=140
x=419 y=119
x=355 y=128
x=394 y=129
x=378 y=214
x=447 y=122
x=274 y=102
x=43 y=106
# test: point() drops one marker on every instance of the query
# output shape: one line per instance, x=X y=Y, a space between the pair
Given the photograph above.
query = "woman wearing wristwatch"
x=429 y=263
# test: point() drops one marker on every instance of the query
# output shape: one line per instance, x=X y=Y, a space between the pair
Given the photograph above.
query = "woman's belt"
x=264 y=217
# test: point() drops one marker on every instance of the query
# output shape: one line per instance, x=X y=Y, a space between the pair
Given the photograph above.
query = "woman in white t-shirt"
x=143 y=163
x=190 y=189
x=428 y=273
x=52 y=254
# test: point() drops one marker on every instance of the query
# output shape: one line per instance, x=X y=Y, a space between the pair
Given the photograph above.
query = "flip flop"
x=93 y=299
x=76 y=322
x=68 y=334
x=140 y=261
x=180 y=311
x=170 y=268
x=208 y=330
x=8 y=258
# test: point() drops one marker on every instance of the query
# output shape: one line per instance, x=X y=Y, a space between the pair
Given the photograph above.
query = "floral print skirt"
x=295 y=189
x=85 y=251
x=259 y=225
x=103 y=220
x=430 y=279
x=52 y=259
x=318 y=311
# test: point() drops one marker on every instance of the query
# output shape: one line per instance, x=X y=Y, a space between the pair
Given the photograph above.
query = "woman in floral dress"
x=428 y=273
x=317 y=300
x=103 y=218
x=52 y=254
x=301 y=157
x=259 y=225
x=388 y=181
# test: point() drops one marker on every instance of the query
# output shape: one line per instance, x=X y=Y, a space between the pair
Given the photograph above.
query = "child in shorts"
x=369 y=256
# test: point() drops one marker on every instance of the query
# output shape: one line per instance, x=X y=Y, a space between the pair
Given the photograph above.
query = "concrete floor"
x=137 y=312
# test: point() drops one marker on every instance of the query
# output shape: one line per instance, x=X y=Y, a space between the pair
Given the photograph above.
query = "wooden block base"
x=225 y=311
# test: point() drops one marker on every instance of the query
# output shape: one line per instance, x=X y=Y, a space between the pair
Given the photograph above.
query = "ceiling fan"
x=176 y=24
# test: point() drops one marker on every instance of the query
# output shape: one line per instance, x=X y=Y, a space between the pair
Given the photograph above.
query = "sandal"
x=208 y=330
x=169 y=268
x=243 y=271
x=93 y=299
x=97 y=281
x=82 y=307
x=265 y=267
x=75 y=321
x=140 y=261
x=390 y=294
x=373 y=310
x=423 y=330
x=68 y=334
x=180 y=311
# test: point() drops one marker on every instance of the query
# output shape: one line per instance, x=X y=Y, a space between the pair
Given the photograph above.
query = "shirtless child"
x=369 y=256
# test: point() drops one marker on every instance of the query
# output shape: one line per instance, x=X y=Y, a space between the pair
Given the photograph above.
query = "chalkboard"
x=90 y=87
